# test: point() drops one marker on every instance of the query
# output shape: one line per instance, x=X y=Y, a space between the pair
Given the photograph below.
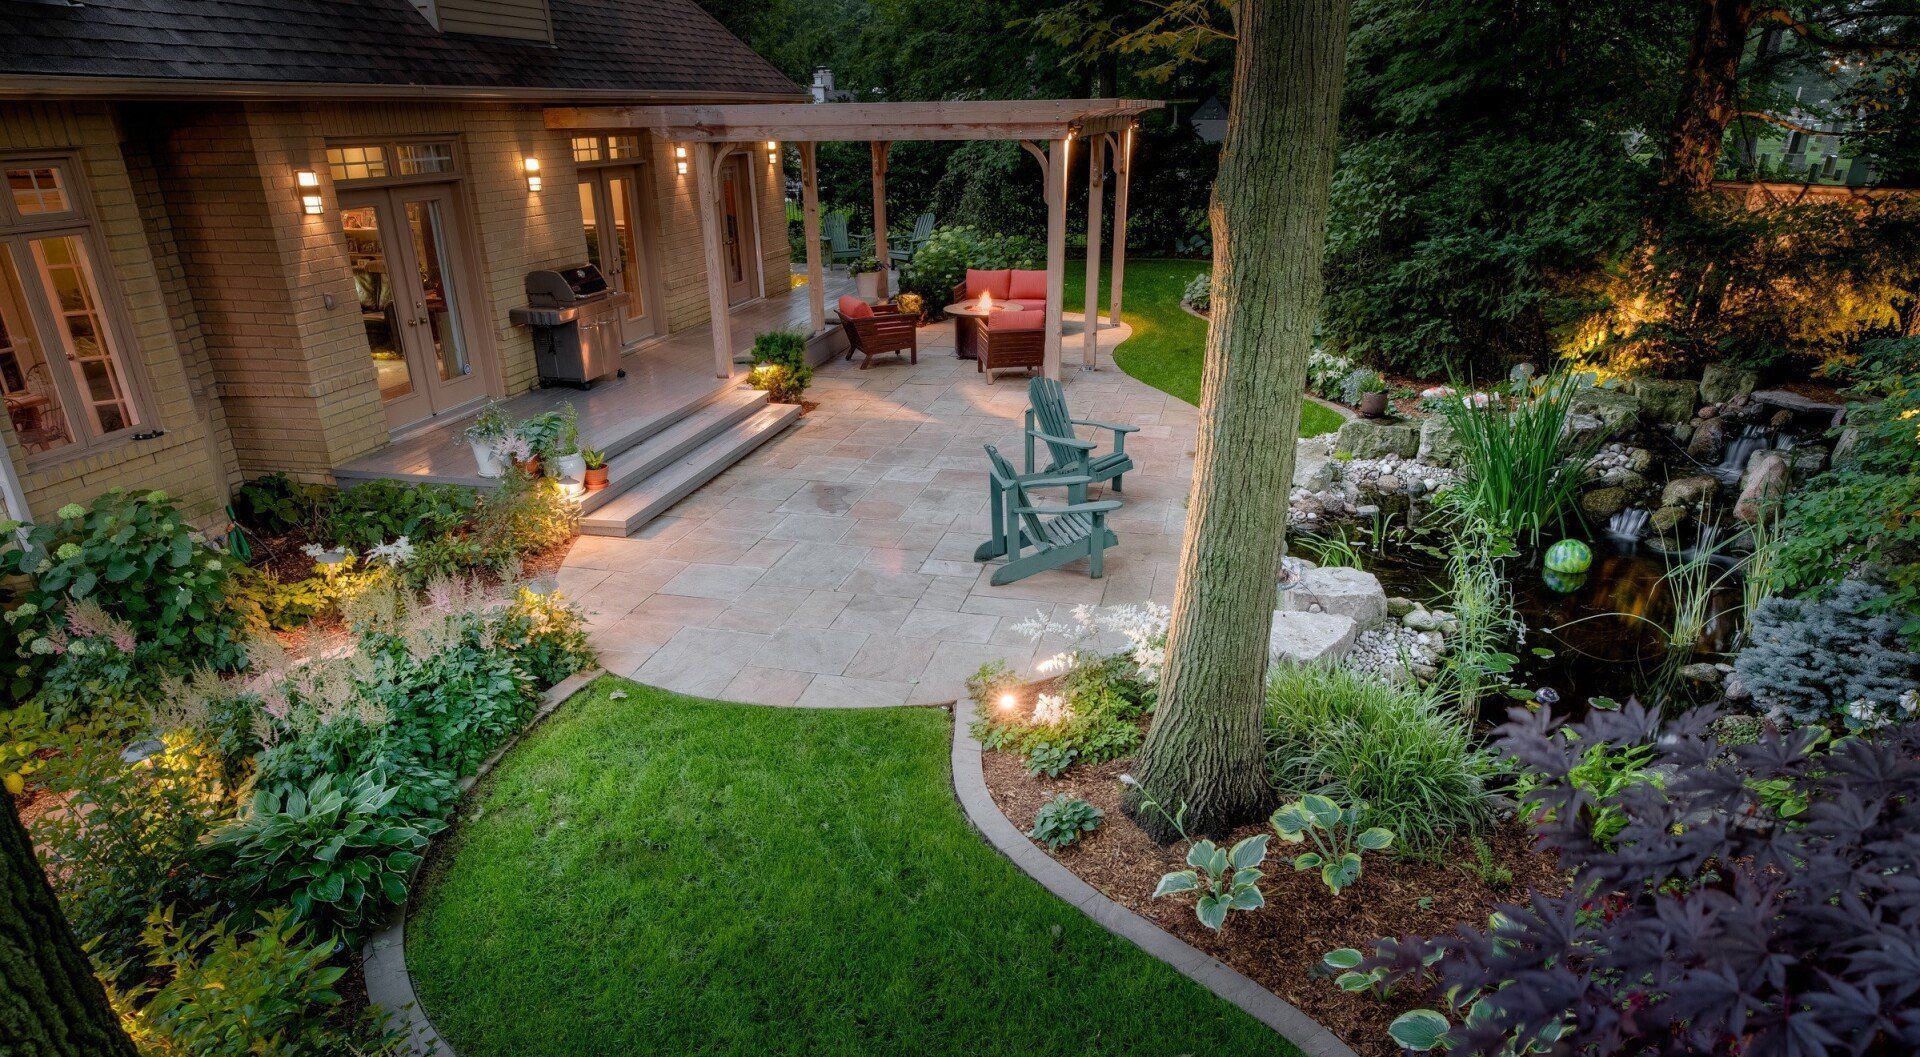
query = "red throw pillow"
x=1027 y=285
x=853 y=308
x=1017 y=320
x=989 y=282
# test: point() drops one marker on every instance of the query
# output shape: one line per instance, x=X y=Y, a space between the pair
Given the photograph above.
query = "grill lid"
x=559 y=287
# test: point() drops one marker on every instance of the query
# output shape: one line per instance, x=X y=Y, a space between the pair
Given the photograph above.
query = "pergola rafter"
x=717 y=130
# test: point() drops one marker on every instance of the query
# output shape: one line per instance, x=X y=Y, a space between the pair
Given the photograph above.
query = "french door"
x=619 y=242
x=404 y=244
x=742 y=249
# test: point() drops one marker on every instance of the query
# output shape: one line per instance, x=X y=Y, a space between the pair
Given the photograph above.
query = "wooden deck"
x=666 y=380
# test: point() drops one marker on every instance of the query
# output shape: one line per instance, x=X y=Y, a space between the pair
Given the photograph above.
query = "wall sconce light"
x=309 y=183
x=680 y=160
x=533 y=173
x=773 y=150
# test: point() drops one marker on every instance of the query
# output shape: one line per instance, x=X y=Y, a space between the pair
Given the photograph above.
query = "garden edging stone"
x=383 y=958
x=970 y=785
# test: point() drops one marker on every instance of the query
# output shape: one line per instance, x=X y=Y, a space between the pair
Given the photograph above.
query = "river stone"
x=1665 y=520
x=1806 y=460
x=1695 y=492
x=1398 y=606
x=1583 y=432
x=1721 y=382
x=1303 y=637
x=1666 y=399
x=1437 y=444
x=1703 y=672
x=1709 y=441
x=1764 y=484
x=1604 y=502
x=1352 y=593
x=1367 y=439
x=1314 y=472
x=1616 y=410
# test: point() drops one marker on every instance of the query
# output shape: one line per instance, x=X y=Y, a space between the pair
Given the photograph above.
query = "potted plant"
x=484 y=436
x=595 y=461
x=551 y=435
x=1373 y=396
x=866 y=277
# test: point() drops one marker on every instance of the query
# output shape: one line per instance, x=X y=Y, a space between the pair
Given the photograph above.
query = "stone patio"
x=834 y=566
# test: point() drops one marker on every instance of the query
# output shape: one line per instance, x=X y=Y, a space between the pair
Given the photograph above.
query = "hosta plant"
x=1335 y=834
x=1063 y=820
x=1226 y=878
x=1725 y=918
x=329 y=850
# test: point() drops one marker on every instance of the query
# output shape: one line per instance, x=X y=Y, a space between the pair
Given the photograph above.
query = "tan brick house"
x=239 y=237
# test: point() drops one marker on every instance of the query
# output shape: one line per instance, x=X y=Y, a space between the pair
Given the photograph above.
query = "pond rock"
x=1721 y=382
x=1764 y=484
x=1398 y=607
x=1806 y=460
x=1303 y=637
x=1666 y=521
x=1583 y=431
x=1352 y=593
x=1616 y=409
x=1437 y=443
x=1666 y=399
x=1689 y=492
x=1604 y=502
x=1367 y=439
x=1709 y=441
x=1703 y=672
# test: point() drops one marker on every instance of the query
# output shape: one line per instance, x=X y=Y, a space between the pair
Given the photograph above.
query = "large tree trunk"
x=50 y=1003
x=1708 y=86
x=1269 y=214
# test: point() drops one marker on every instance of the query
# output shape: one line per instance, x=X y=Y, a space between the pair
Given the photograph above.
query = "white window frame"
x=80 y=220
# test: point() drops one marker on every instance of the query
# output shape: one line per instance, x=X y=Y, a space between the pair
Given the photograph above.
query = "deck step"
x=647 y=499
x=656 y=452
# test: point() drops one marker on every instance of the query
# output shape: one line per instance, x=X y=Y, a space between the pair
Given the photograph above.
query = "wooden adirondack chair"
x=1058 y=535
x=1048 y=420
x=922 y=230
x=841 y=246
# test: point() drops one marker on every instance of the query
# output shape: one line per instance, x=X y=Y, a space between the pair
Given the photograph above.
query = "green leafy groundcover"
x=652 y=873
x=1169 y=345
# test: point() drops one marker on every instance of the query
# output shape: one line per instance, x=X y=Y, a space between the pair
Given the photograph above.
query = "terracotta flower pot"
x=1373 y=405
x=596 y=478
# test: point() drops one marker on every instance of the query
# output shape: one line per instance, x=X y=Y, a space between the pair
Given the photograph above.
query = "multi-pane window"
x=63 y=368
x=403 y=160
x=357 y=163
x=588 y=150
x=623 y=147
x=420 y=158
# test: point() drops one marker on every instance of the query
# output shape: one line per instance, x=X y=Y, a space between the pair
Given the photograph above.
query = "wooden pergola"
x=1047 y=128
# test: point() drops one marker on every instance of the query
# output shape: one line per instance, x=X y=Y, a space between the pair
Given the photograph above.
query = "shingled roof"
x=634 y=48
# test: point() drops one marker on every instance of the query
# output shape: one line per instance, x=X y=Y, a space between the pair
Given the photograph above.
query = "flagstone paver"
x=834 y=566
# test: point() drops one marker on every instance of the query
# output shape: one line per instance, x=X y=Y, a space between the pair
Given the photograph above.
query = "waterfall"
x=1629 y=524
x=1708 y=538
x=1751 y=439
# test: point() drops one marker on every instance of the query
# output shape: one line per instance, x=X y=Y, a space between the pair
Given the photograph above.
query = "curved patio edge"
x=383 y=958
x=970 y=785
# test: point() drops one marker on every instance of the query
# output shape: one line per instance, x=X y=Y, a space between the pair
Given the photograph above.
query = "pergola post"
x=1096 y=201
x=810 y=225
x=880 y=216
x=1057 y=151
x=707 y=197
x=1122 y=176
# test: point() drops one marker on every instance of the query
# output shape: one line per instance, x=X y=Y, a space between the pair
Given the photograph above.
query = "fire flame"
x=986 y=301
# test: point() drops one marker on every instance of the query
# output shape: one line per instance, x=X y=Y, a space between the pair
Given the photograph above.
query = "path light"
x=680 y=160
x=309 y=183
x=1008 y=702
x=533 y=173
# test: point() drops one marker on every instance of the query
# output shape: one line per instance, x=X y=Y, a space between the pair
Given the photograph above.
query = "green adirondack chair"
x=841 y=246
x=1049 y=421
x=1058 y=535
x=904 y=250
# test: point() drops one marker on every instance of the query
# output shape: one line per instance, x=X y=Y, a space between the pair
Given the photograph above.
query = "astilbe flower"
x=1715 y=922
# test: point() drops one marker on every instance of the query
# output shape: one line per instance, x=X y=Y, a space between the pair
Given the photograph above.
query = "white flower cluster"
x=1139 y=630
x=1872 y=715
x=1051 y=710
x=399 y=552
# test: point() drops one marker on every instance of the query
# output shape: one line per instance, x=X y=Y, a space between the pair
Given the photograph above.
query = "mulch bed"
x=1280 y=945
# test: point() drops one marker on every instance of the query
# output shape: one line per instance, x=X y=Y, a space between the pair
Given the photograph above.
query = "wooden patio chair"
x=1011 y=340
x=872 y=333
x=908 y=245
x=841 y=246
x=1058 y=535
x=1049 y=421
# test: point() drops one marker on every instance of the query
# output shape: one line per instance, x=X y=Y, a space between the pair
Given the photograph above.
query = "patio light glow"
x=309 y=184
x=773 y=150
x=533 y=173
x=680 y=160
x=1008 y=702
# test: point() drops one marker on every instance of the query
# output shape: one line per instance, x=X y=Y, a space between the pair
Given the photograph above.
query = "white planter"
x=868 y=284
x=571 y=469
x=487 y=459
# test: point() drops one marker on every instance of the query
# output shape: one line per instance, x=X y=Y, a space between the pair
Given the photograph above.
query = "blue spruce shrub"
x=1816 y=659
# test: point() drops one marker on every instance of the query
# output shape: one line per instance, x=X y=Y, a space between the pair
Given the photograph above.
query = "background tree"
x=51 y=1005
x=1203 y=753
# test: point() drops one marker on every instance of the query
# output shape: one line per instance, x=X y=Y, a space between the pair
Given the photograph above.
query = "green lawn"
x=1169 y=345
x=659 y=874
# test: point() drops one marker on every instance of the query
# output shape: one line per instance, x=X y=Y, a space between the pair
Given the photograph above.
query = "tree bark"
x=51 y=1005
x=1707 y=93
x=1203 y=753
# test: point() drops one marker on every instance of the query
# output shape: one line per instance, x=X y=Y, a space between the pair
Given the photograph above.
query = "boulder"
x=1709 y=441
x=1437 y=445
x=1666 y=399
x=1666 y=520
x=1582 y=432
x=1702 y=672
x=1367 y=439
x=1616 y=409
x=1304 y=638
x=1721 y=382
x=1806 y=460
x=1791 y=401
x=1352 y=593
x=1315 y=472
x=1764 y=484
x=1603 y=503
x=1639 y=460
x=1689 y=492
x=1398 y=607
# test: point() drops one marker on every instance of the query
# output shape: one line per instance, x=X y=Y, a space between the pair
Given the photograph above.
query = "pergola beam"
x=1122 y=177
x=879 y=148
x=1057 y=153
x=1096 y=199
x=1035 y=119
